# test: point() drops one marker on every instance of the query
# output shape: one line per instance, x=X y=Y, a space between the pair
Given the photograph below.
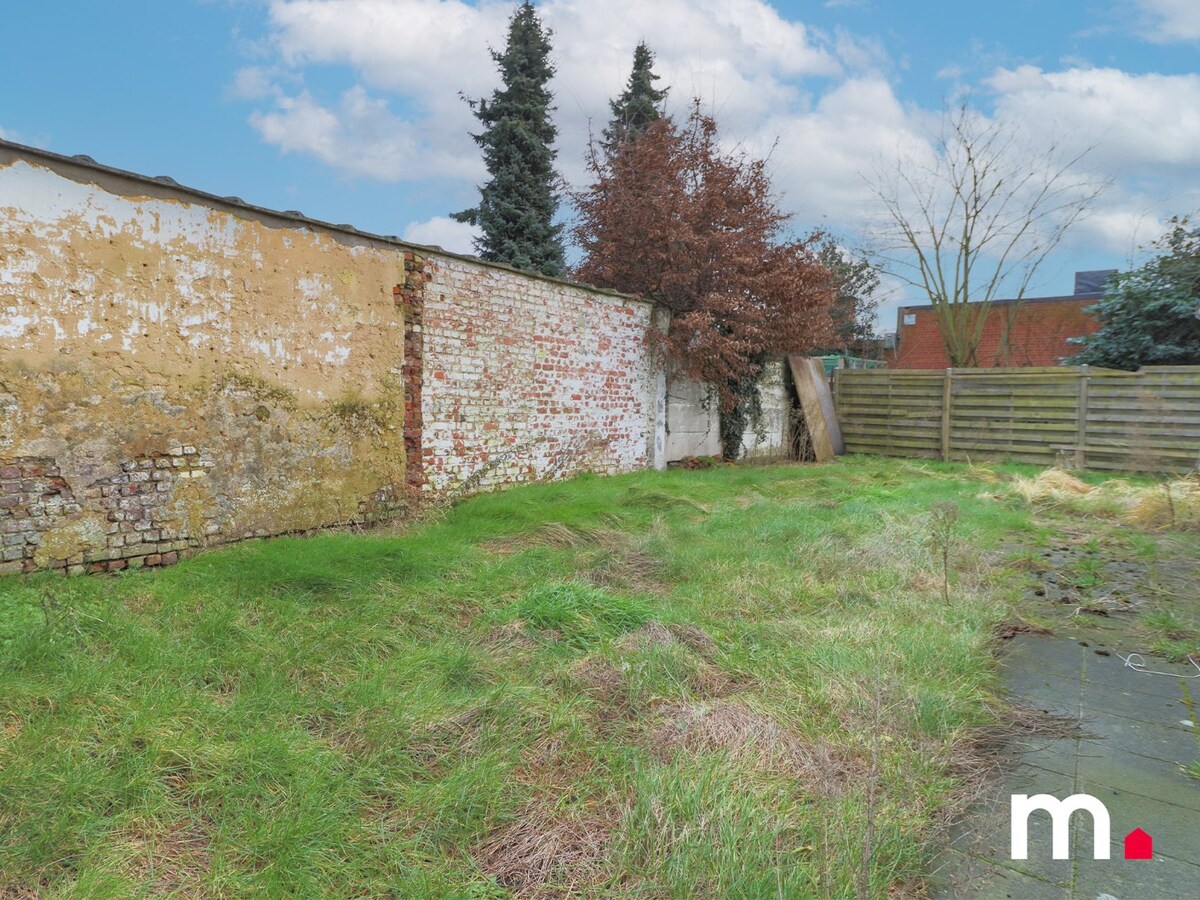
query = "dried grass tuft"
x=908 y=889
x=345 y=736
x=1169 y=504
x=558 y=535
x=1008 y=630
x=444 y=739
x=653 y=498
x=514 y=634
x=551 y=850
x=696 y=638
x=750 y=737
x=170 y=862
x=601 y=678
x=1050 y=485
x=1173 y=504
x=982 y=472
x=624 y=567
x=652 y=634
x=984 y=753
x=710 y=683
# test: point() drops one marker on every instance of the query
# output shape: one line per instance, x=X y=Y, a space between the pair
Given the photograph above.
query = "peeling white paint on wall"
x=43 y=202
x=527 y=379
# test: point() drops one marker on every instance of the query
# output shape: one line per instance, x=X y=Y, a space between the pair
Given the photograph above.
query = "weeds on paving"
x=725 y=682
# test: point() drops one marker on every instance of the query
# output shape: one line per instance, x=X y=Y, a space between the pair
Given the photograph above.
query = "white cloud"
x=740 y=55
x=360 y=136
x=1142 y=132
x=822 y=154
x=252 y=83
x=392 y=41
x=859 y=53
x=1120 y=225
x=410 y=47
x=444 y=232
x=1129 y=119
x=1171 y=20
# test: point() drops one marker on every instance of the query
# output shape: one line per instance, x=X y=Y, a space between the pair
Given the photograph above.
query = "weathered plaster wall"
x=174 y=374
x=768 y=439
x=694 y=427
x=528 y=379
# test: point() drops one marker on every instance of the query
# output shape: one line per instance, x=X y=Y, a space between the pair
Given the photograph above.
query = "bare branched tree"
x=976 y=218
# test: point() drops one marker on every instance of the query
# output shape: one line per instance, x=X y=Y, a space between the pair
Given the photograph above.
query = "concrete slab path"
x=1139 y=731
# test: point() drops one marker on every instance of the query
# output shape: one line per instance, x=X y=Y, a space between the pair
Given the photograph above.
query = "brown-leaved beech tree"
x=672 y=217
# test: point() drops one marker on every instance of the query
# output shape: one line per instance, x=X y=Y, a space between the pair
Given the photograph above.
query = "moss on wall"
x=195 y=464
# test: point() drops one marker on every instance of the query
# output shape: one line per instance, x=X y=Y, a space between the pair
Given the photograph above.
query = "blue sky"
x=349 y=110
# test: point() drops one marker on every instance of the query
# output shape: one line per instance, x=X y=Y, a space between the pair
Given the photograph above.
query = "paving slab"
x=1150 y=879
x=1105 y=734
x=1166 y=707
x=1141 y=776
x=1060 y=755
x=1172 y=827
x=965 y=875
x=1063 y=657
x=1048 y=692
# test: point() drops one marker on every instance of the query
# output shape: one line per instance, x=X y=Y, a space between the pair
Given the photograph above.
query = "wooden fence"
x=1078 y=415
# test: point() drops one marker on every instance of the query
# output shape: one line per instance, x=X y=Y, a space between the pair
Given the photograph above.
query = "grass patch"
x=1171 y=637
x=701 y=681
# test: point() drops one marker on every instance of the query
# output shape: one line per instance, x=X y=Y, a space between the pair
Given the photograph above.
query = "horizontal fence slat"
x=1035 y=428
x=1140 y=420
x=976 y=402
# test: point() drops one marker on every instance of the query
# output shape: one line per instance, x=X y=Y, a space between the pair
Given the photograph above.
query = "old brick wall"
x=529 y=379
x=174 y=375
x=179 y=370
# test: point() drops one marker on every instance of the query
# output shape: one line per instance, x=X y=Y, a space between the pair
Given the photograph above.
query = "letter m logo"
x=1060 y=817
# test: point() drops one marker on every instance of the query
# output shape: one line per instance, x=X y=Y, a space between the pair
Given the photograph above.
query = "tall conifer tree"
x=518 y=203
x=639 y=104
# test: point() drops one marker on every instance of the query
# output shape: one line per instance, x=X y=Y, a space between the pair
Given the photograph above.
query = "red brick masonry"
x=1037 y=336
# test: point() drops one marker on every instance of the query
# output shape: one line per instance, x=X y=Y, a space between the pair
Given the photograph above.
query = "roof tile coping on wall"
x=162 y=186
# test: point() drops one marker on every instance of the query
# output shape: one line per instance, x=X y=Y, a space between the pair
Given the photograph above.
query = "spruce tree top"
x=518 y=203
x=639 y=104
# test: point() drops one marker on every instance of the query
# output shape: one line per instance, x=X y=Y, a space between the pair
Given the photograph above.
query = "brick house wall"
x=1038 y=334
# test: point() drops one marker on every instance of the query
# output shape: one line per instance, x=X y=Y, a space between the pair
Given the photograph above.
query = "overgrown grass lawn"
x=733 y=682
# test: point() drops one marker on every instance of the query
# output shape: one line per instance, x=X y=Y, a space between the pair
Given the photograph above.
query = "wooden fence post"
x=947 y=381
x=1082 y=414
